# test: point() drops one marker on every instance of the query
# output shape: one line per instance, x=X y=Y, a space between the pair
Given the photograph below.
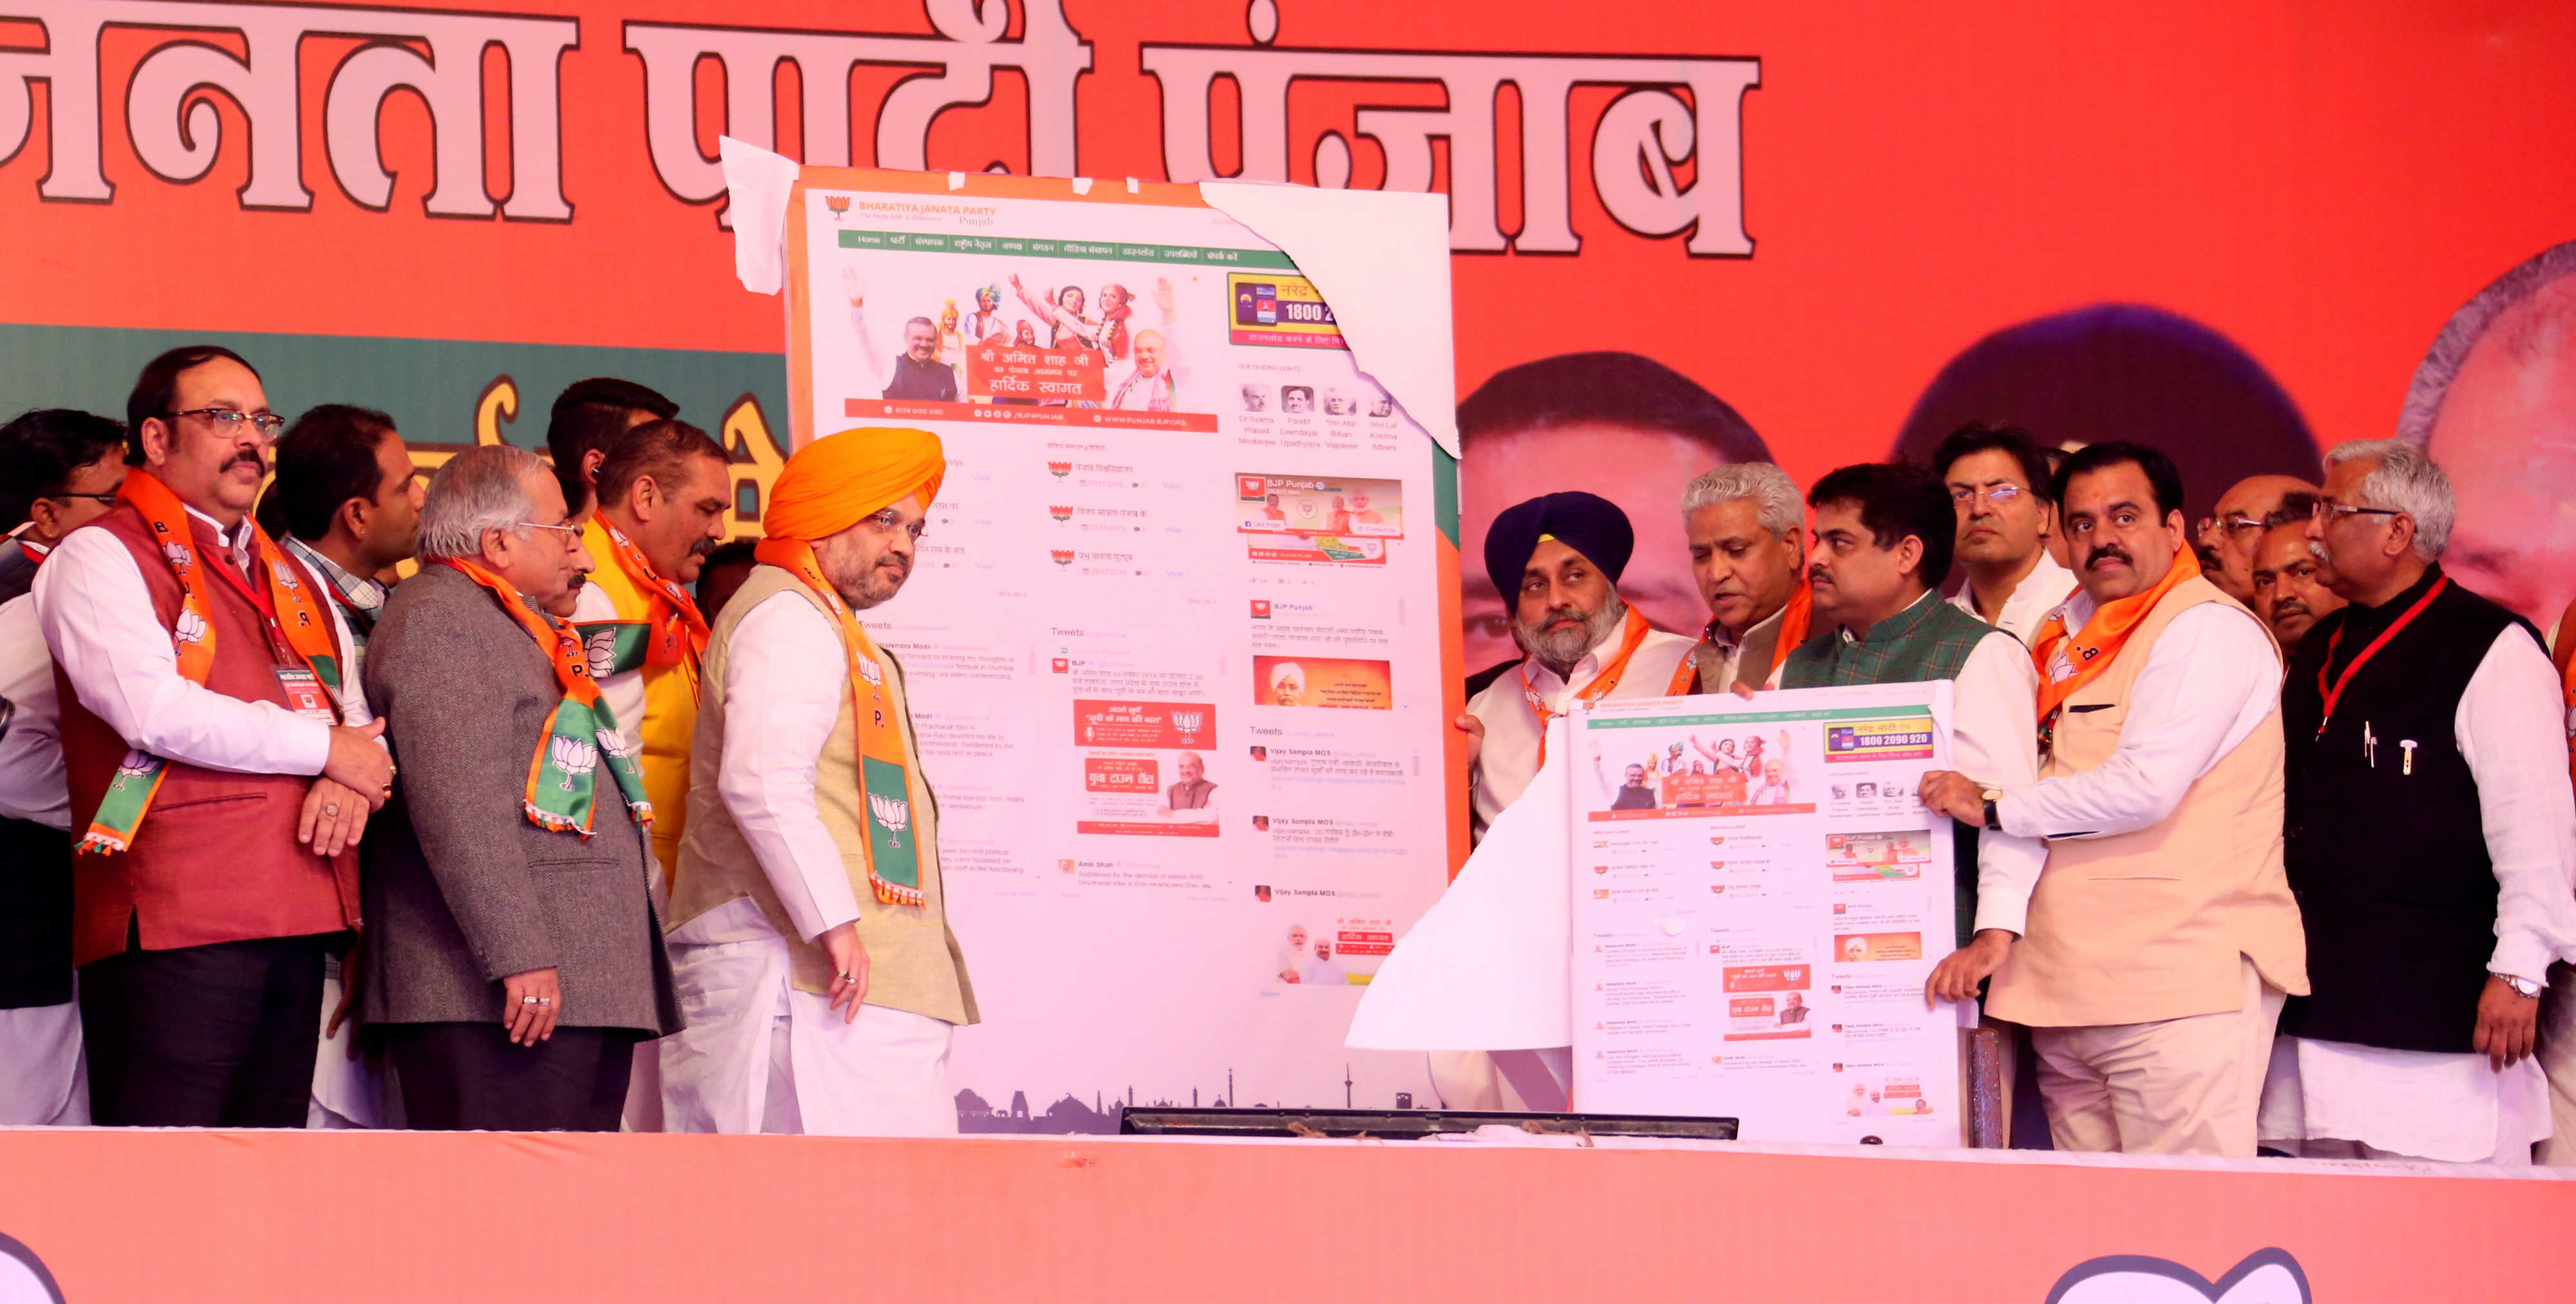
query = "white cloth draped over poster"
x=1487 y=967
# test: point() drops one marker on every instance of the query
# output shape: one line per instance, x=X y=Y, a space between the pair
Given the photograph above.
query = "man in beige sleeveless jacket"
x=809 y=934
x=2162 y=937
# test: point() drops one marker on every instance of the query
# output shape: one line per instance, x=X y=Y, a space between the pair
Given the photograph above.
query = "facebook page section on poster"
x=1754 y=917
x=1174 y=639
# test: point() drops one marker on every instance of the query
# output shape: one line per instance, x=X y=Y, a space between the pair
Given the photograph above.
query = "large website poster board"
x=1758 y=899
x=1175 y=638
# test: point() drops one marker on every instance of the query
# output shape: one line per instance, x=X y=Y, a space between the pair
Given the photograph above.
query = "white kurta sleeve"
x=31 y=747
x=99 y=624
x=2209 y=681
x=2508 y=729
x=785 y=678
x=1994 y=739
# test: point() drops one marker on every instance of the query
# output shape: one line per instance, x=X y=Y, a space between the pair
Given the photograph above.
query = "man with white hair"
x=1745 y=525
x=513 y=959
x=2431 y=839
x=2491 y=402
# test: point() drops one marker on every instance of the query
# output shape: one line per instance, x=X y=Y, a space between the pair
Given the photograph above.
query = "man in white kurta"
x=809 y=1010
x=43 y=1078
x=2432 y=841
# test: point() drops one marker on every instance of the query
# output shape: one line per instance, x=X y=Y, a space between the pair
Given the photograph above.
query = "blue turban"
x=1588 y=523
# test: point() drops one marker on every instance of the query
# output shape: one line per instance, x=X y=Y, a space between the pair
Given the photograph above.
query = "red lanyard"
x=2335 y=693
x=283 y=652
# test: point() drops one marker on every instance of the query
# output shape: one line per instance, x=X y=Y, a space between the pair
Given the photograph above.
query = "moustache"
x=2289 y=607
x=2108 y=552
x=703 y=548
x=1561 y=616
x=573 y=582
x=250 y=460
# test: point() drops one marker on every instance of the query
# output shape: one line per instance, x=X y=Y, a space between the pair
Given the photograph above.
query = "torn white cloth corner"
x=757 y=183
x=1489 y=967
x=1381 y=259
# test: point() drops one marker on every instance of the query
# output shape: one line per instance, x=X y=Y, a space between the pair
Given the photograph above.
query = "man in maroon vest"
x=219 y=765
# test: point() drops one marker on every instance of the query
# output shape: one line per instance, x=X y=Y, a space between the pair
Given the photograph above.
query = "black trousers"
x=468 y=1077
x=204 y=1036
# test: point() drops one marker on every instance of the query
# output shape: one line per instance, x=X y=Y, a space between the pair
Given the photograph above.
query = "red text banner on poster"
x=1364 y=941
x=1120 y=774
x=1143 y=724
x=1768 y=977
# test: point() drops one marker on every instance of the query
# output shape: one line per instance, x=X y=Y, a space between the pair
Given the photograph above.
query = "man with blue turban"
x=1563 y=554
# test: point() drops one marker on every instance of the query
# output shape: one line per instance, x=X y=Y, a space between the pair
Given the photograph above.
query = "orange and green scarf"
x=894 y=861
x=563 y=777
x=302 y=623
x=673 y=631
x=2068 y=662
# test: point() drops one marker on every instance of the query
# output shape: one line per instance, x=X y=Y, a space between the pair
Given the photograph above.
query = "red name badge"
x=305 y=695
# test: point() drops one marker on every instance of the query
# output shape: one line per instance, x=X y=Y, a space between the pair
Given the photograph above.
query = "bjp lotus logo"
x=600 y=650
x=1063 y=556
x=1059 y=469
x=873 y=673
x=136 y=764
x=1061 y=514
x=839 y=204
x=574 y=757
x=1189 y=723
x=191 y=627
x=894 y=814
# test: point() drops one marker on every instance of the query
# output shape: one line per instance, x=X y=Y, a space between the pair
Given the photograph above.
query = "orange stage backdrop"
x=210 y=1216
x=2259 y=212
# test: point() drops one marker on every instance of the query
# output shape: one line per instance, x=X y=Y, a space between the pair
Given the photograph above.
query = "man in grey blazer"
x=512 y=957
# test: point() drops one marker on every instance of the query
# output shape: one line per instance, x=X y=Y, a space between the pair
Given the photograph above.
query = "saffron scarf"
x=1795 y=620
x=2068 y=662
x=300 y=622
x=1603 y=684
x=893 y=853
x=581 y=732
x=673 y=631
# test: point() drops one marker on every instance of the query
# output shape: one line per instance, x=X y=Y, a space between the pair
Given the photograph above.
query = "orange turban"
x=840 y=480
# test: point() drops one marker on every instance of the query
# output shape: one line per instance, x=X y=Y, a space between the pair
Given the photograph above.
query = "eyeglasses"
x=2337 y=511
x=2001 y=495
x=229 y=420
x=571 y=533
x=2232 y=525
x=108 y=499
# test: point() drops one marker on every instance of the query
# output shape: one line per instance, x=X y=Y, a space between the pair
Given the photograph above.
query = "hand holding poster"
x=1757 y=900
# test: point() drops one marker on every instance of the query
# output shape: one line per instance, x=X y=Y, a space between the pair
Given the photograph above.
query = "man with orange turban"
x=808 y=930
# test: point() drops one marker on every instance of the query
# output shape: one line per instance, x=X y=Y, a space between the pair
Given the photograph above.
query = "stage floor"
x=180 y=1215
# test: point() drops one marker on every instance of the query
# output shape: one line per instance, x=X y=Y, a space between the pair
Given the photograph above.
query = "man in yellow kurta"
x=664 y=487
x=808 y=923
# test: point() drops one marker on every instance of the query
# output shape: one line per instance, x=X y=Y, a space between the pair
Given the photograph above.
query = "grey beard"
x=1560 y=650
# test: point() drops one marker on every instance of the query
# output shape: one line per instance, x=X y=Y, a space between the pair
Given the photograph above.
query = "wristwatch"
x=2523 y=987
x=1994 y=820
